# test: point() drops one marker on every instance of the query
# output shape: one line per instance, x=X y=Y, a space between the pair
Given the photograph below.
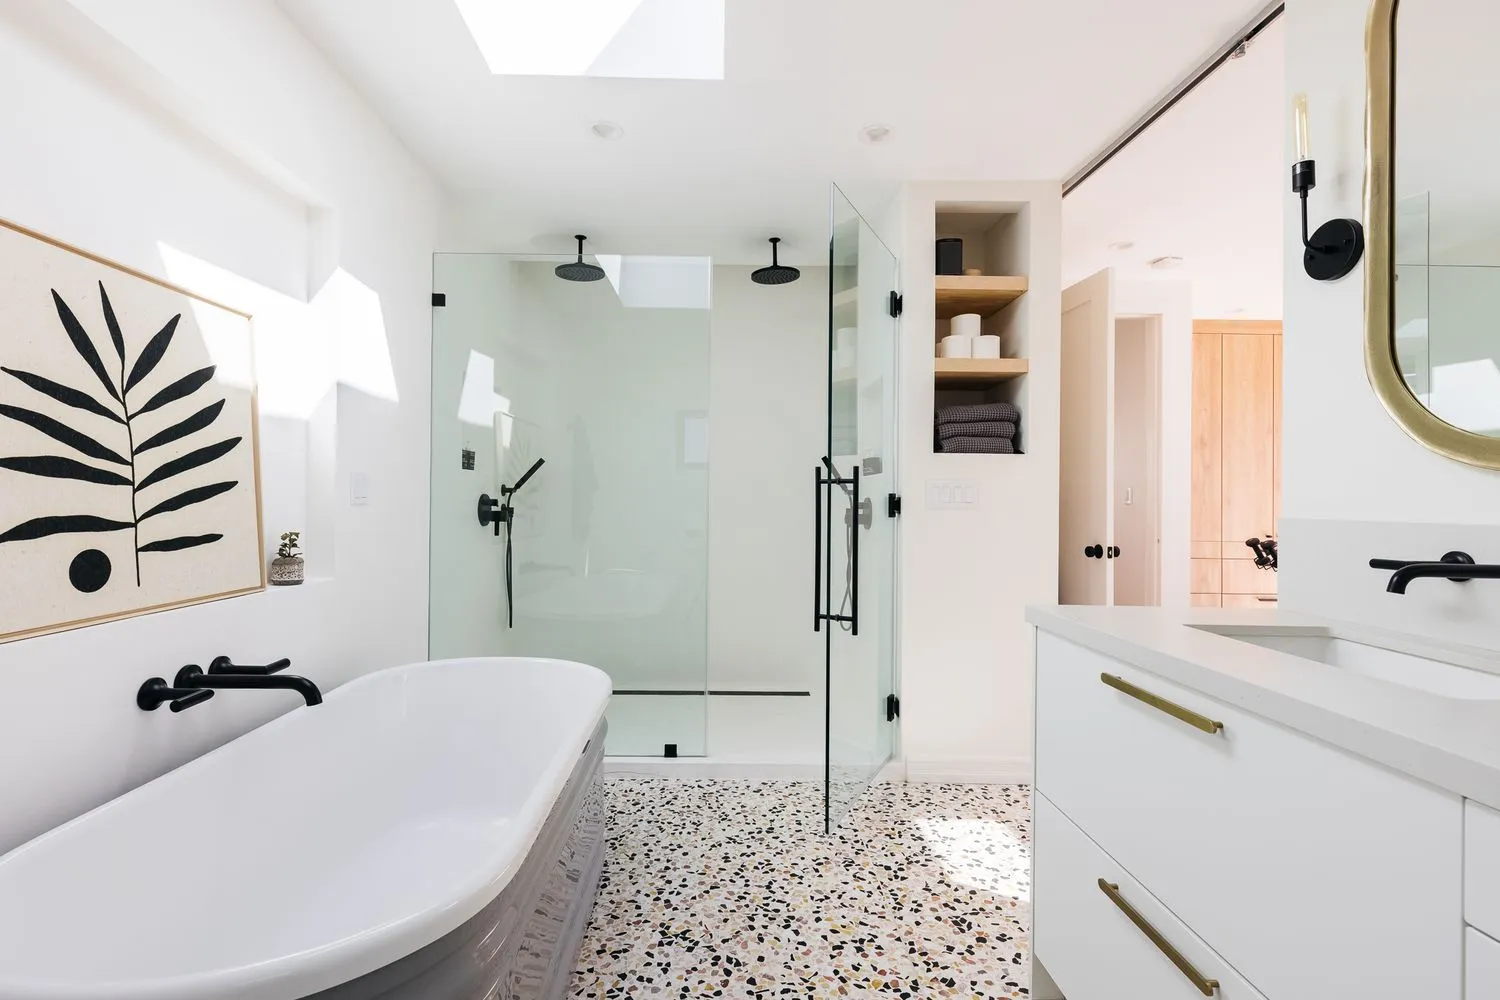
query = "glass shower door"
x=857 y=484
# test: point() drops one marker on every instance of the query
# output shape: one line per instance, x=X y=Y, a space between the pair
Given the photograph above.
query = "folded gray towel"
x=987 y=429
x=974 y=413
x=980 y=445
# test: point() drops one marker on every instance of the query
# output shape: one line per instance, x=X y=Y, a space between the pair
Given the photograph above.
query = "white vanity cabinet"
x=1281 y=866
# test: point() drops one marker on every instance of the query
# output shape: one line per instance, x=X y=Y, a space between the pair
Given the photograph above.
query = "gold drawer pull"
x=1208 y=987
x=1161 y=704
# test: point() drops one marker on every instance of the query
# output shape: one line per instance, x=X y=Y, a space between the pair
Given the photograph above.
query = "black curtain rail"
x=1184 y=87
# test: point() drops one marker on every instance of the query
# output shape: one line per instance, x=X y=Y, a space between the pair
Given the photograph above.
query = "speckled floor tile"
x=730 y=889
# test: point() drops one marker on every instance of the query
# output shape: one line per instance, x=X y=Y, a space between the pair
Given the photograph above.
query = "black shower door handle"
x=854 y=529
x=817 y=548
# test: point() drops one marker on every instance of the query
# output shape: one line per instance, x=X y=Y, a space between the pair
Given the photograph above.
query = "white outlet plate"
x=952 y=494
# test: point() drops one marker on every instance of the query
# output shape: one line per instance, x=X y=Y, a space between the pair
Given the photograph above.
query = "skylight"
x=660 y=39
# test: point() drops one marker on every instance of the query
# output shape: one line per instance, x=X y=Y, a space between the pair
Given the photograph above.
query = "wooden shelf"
x=984 y=294
x=958 y=373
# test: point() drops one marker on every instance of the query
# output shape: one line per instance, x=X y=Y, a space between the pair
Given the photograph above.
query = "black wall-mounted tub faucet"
x=1459 y=567
x=192 y=686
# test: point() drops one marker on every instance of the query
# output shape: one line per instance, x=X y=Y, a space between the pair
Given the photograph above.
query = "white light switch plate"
x=359 y=489
x=952 y=494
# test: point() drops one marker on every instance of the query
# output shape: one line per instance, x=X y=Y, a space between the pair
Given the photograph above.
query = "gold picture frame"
x=249 y=420
x=1381 y=364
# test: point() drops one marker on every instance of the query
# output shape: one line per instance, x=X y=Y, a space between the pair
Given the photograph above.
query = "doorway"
x=1111 y=460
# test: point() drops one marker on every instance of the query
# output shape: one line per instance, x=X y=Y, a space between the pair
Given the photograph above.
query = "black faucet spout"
x=1402 y=577
x=1458 y=567
x=193 y=677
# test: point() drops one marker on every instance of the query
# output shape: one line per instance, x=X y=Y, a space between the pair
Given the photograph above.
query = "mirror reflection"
x=1447 y=211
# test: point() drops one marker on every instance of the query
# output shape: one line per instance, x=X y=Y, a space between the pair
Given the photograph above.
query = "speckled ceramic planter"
x=287 y=571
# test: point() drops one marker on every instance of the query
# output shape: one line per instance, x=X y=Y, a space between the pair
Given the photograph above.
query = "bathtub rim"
x=315 y=969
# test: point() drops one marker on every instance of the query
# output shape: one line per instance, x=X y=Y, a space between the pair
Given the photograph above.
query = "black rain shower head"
x=578 y=270
x=777 y=273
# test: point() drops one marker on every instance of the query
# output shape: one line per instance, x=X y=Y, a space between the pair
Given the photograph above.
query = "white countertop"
x=1453 y=743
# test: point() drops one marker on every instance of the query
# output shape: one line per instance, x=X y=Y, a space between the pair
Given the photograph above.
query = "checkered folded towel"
x=986 y=429
x=974 y=413
x=979 y=445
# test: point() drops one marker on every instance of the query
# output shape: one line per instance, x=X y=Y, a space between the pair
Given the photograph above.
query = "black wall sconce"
x=1332 y=251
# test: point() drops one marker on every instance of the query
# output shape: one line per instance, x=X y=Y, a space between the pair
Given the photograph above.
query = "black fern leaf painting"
x=111 y=432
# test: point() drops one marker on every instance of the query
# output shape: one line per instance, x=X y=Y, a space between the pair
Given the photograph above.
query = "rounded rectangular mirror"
x=1432 y=280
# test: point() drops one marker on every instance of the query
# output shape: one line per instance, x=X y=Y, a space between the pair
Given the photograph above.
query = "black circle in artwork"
x=90 y=570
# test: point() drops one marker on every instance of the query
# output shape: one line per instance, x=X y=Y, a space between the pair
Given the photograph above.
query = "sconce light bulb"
x=1304 y=146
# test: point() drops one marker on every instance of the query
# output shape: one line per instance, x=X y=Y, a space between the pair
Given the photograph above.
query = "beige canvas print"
x=129 y=475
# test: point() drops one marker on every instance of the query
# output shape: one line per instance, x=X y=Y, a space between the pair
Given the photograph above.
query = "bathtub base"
x=524 y=944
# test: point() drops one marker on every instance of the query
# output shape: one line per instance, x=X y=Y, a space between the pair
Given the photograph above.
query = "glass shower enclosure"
x=571 y=492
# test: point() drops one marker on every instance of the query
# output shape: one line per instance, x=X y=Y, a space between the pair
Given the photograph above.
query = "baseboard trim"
x=971 y=771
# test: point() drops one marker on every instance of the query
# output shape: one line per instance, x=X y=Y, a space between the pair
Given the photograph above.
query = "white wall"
x=1355 y=486
x=769 y=401
x=967 y=576
x=210 y=144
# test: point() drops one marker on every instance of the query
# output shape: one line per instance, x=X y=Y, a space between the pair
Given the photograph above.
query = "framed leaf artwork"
x=129 y=463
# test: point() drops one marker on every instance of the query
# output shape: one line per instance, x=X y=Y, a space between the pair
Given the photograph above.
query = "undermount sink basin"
x=1459 y=675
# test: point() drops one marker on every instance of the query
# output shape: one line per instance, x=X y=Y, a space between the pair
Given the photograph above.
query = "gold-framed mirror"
x=1432 y=205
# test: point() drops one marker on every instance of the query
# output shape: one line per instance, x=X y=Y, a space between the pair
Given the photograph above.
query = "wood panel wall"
x=1236 y=461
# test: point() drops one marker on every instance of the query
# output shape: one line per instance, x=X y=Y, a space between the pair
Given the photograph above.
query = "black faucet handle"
x=156 y=692
x=189 y=700
x=222 y=665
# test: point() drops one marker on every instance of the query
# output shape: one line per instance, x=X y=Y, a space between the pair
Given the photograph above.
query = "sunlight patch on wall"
x=302 y=350
x=478 y=402
x=292 y=361
x=350 y=310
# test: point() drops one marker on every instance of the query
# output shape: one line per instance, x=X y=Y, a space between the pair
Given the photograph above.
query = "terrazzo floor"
x=729 y=889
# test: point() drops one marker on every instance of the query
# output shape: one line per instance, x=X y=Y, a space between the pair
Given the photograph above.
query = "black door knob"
x=1094 y=551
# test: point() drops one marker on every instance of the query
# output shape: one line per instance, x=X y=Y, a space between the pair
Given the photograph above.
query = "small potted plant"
x=287 y=569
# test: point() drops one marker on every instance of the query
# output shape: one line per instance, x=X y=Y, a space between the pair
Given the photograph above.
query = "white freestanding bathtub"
x=429 y=831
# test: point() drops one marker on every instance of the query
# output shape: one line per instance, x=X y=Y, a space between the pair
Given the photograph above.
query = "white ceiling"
x=1205 y=183
x=973 y=89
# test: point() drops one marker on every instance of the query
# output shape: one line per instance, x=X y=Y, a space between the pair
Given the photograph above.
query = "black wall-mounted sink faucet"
x=192 y=686
x=1459 y=567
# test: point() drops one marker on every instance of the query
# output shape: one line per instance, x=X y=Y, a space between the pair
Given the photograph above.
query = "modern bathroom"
x=701 y=498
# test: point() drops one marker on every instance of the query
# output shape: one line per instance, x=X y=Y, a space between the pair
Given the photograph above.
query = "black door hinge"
x=892 y=707
x=439 y=299
x=898 y=302
x=892 y=505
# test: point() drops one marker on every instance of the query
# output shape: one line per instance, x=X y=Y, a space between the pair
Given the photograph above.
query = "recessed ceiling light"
x=874 y=133
x=1165 y=263
x=1122 y=245
x=607 y=130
